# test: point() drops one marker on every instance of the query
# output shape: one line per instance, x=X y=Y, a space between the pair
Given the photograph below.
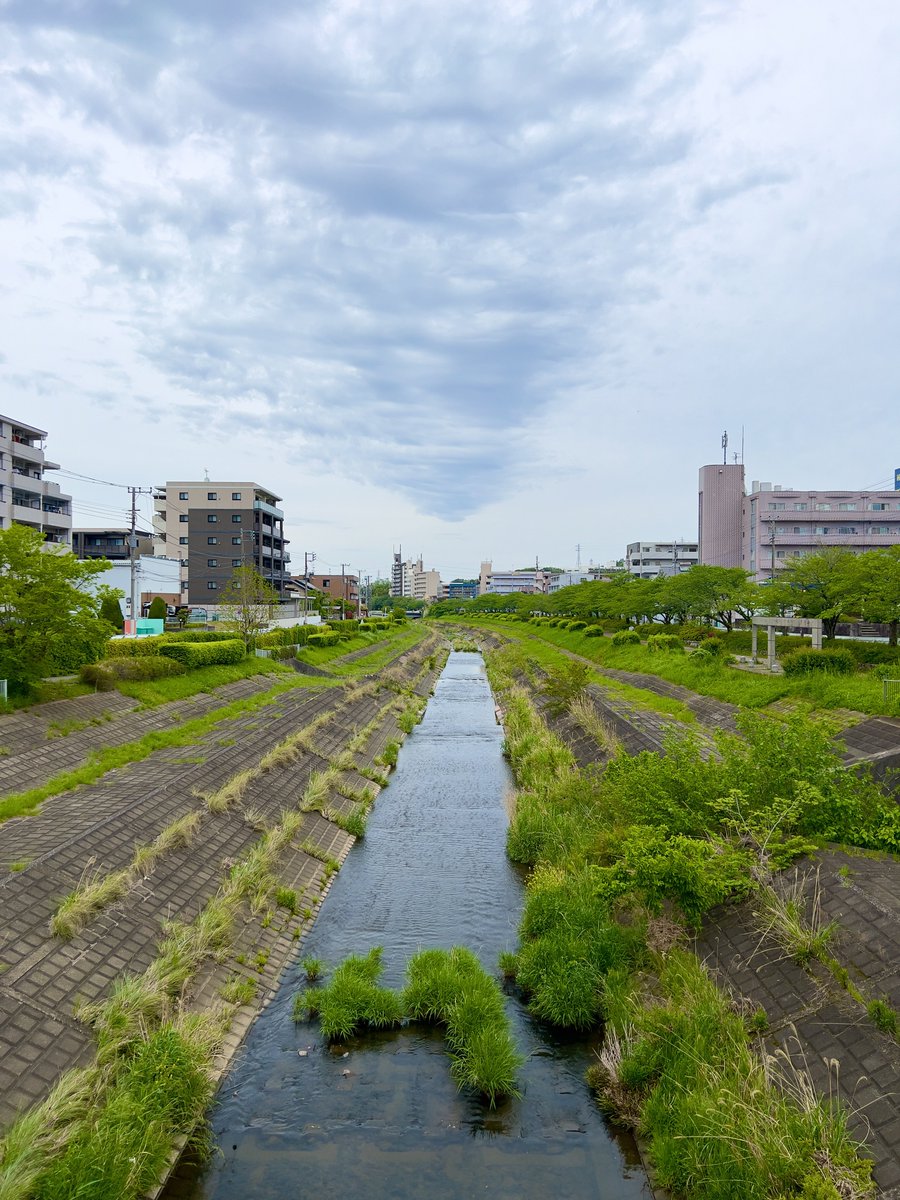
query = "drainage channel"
x=380 y=1116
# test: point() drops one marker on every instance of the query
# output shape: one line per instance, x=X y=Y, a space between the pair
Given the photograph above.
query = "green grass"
x=392 y=642
x=861 y=692
x=44 y=693
x=152 y=692
x=100 y=762
x=352 y=1000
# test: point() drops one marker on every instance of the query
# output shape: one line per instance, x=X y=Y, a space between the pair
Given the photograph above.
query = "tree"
x=379 y=591
x=49 y=602
x=877 y=587
x=111 y=610
x=157 y=610
x=823 y=584
x=247 y=604
x=709 y=593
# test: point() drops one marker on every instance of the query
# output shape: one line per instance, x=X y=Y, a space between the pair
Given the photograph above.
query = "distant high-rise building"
x=110 y=543
x=26 y=496
x=721 y=502
x=217 y=527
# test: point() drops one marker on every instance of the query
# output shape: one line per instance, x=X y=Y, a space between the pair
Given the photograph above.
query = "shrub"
x=111 y=610
x=157 y=610
x=576 y=625
x=205 y=654
x=828 y=662
x=626 y=637
x=198 y=635
x=594 y=631
x=105 y=675
x=320 y=640
x=872 y=652
x=136 y=647
x=661 y=642
x=564 y=683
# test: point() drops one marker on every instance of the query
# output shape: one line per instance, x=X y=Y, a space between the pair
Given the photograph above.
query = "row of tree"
x=832 y=584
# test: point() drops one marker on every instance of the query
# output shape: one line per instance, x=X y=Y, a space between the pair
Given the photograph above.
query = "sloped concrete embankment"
x=819 y=1025
x=93 y=831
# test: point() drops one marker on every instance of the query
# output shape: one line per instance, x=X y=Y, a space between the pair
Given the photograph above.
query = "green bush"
x=104 y=675
x=810 y=662
x=320 y=640
x=626 y=637
x=871 y=652
x=594 y=631
x=576 y=625
x=136 y=647
x=157 y=609
x=205 y=654
x=661 y=642
x=199 y=635
x=294 y=635
x=111 y=610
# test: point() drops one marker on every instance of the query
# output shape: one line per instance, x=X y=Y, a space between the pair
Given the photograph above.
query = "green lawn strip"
x=391 y=645
x=100 y=761
x=152 y=692
x=622 y=862
x=638 y=697
x=862 y=692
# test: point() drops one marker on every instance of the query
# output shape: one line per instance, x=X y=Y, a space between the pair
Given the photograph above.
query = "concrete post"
x=753 y=641
x=770 y=633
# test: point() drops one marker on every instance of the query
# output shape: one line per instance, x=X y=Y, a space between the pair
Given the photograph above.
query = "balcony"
x=24 y=450
x=270 y=509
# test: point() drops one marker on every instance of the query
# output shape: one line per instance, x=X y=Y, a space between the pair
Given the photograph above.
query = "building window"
x=235 y=562
x=212 y=562
x=182 y=541
x=235 y=541
x=779 y=554
x=877 y=506
x=182 y=495
x=823 y=530
x=847 y=507
x=326 y=583
x=823 y=508
x=212 y=586
x=775 y=507
x=183 y=518
x=235 y=518
x=799 y=508
x=846 y=529
x=212 y=541
x=212 y=495
x=235 y=495
x=211 y=518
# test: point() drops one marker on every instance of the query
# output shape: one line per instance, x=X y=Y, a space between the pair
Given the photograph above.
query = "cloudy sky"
x=477 y=279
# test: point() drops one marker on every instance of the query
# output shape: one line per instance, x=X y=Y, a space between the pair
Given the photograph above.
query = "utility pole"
x=308 y=557
x=132 y=550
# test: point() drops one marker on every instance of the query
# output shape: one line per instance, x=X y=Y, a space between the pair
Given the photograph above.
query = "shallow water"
x=380 y=1117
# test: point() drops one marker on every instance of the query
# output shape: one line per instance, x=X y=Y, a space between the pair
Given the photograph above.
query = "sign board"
x=897 y=479
x=149 y=626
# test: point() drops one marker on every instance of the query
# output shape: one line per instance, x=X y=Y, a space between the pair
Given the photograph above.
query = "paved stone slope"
x=45 y=758
x=94 y=830
x=815 y=1021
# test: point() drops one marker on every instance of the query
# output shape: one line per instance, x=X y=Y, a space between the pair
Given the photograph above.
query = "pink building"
x=776 y=523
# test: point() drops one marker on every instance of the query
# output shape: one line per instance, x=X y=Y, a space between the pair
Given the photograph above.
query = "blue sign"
x=897 y=479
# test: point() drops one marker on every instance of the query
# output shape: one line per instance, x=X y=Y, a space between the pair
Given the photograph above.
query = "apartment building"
x=112 y=544
x=649 y=559
x=462 y=589
x=426 y=585
x=507 y=583
x=778 y=523
x=339 y=587
x=215 y=527
x=26 y=496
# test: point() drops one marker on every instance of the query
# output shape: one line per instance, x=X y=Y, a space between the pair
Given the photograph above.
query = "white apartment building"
x=507 y=583
x=26 y=496
x=650 y=559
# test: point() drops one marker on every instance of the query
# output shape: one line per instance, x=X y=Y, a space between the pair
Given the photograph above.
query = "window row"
x=209 y=495
x=850 y=506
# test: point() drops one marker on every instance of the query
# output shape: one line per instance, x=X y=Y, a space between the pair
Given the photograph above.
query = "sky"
x=477 y=281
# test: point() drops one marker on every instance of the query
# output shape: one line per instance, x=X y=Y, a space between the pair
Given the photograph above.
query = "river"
x=380 y=1117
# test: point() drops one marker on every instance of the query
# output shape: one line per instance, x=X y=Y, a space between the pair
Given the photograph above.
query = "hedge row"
x=105 y=675
x=329 y=638
x=810 y=662
x=205 y=654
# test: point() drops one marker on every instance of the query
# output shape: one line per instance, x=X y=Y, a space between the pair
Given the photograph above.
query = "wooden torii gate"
x=814 y=624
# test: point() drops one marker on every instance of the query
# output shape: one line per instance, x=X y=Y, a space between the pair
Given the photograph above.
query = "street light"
x=308 y=558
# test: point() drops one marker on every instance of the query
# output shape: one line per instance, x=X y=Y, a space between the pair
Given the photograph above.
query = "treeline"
x=832 y=584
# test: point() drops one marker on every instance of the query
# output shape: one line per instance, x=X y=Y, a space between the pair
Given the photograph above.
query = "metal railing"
x=891 y=689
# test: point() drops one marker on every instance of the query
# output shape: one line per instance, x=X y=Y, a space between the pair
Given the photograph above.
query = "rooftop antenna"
x=206 y=474
x=725 y=448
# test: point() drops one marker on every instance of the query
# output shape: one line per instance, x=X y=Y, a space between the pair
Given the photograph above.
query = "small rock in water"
x=303 y=1053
